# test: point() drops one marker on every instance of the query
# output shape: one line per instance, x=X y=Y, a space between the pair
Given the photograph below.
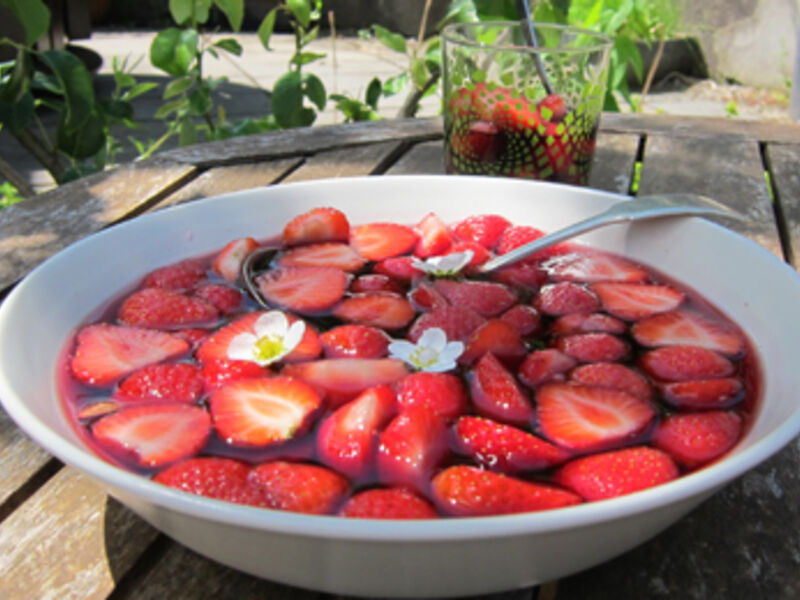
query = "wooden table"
x=62 y=537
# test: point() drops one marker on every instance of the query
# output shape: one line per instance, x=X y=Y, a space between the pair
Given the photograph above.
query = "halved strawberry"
x=479 y=254
x=212 y=477
x=442 y=393
x=399 y=267
x=486 y=298
x=154 y=435
x=613 y=376
x=176 y=382
x=179 y=277
x=225 y=299
x=552 y=108
x=306 y=290
x=543 y=366
x=218 y=372
x=411 y=447
x=158 y=308
x=259 y=412
x=519 y=235
x=617 y=473
x=633 y=301
x=686 y=328
x=376 y=309
x=486 y=230
x=590 y=267
x=504 y=448
x=434 y=237
x=378 y=241
x=376 y=283
x=686 y=363
x=388 y=503
x=465 y=491
x=299 y=487
x=587 y=323
x=317 y=225
x=704 y=393
x=341 y=379
x=498 y=337
x=457 y=322
x=228 y=263
x=347 y=439
x=696 y=439
x=105 y=353
x=337 y=256
x=354 y=341
x=586 y=418
x=193 y=335
x=528 y=277
x=593 y=347
x=525 y=319
x=563 y=298
x=496 y=393
x=480 y=143
x=424 y=297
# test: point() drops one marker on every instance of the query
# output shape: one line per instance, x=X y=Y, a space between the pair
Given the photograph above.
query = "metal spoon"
x=647 y=207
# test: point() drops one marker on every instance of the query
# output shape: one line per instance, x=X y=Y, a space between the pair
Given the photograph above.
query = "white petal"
x=433 y=338
x=241 y=347
x=401 y=349
x=440 y=367
x=451 y=352
x=420 y=264
x=271 y=324
x=293 y=337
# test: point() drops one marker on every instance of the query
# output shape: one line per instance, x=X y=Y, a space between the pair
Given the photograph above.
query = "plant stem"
x=423 y=23
x=16 y=179
x=651 y=73
x=410 y=104
x=47 y=158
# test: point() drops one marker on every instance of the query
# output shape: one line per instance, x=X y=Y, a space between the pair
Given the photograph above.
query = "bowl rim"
x=694 y=485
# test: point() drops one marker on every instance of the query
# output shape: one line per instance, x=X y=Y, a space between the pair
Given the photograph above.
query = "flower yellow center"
x=424 y=357
x=267 y=348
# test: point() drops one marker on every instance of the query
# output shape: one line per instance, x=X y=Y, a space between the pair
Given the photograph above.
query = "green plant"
x=8 y=194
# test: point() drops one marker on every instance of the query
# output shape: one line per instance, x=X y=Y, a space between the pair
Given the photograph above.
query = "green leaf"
x=496 y=10
x=287 y=97
x=138 y=89
x=83 y=141
x=304 y=58
x=171 y=107
x=628 y=53
x=374 y=90
x=118 y=109
x=393 y=41
x=314 y=90
x=124 y=80
x=76 y=172
x=199 y=102
x=419 y=72
x=301 y=9
x=178 y=86
x=19 y=82
x=618 y=17
x=233 y=10
x=229 y=45
x=17 y=115
x=309 y=37
x=395 y=85
x=75 y=83
x=267 y=26
x=33 y=15
x=190 y=12
x=173 y=50
x=187 y=135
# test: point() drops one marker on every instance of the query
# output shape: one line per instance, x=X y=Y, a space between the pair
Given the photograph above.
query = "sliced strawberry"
x=348 y=439
x=378 y=241
x=496 y=394
x=178 y=277
x=704 y=394
x=154 y=435
x=484 y=297
x=299 y=487
x=225 y=299
x=158 y=308
x=505 y=448
x=563 y=298
x=228 y=263
x=442 y=393
x=317 y=225
x=528 y=277
x=376 y=309
x=633 y=301
x=543 y=366
x=258 y=412
x=341 y=379
x=465 y=491
x=498 y=337
x=686 y=363
x=696 y=439
x=336 y=256
x=410 y=448
x=486 y=230
x=388 y=503
x=400 y=268
x=552 y=108
x=424 y=297
x=481 y=142
x=686 y=328
x=586 y=418
x=218 y=478
x=310 y=346
x=434 y=237
x=519 y=235
x=479 y=254
x=306 y=290
x=590 y=267
x=587 y=323
x=193 y=335
x=525 y=319
x=612 y=376
x=218 y=372
x=617 y=473
x=457 y=322
x=176 y=382
x=376 y=283
x=593 y=347
x=355 y=341
x=106 y=353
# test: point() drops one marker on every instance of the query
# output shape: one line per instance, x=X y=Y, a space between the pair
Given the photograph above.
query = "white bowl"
x=433 y=558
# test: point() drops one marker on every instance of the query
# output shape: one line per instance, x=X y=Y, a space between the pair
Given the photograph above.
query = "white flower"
x=432 y=353
x=272 y=339
x=444 y=266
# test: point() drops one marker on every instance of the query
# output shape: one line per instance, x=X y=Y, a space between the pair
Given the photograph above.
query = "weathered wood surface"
x=614 y=161
x=20 y=460
x=421 y=159
x=784 y=164
x=346 y=162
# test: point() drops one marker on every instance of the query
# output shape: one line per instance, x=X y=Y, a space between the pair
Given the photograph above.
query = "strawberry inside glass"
x=388 y=380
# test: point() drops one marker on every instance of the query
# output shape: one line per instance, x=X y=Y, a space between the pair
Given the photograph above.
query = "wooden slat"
x=727 y=170
x=345 y=162
x=20 y=458
x=784 y=164
x=69 y=540
x=33 y=230
x=614 y=159
x=426 y=158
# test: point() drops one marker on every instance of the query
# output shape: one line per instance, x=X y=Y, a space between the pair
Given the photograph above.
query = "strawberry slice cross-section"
x=305 y=290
